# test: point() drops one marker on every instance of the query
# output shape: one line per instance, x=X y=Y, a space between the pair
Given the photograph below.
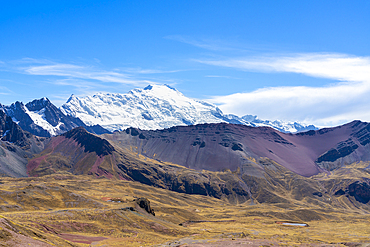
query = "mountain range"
x=158 y=107
x=65 y=188
x=42 y=118
x=151 y=108
x=220 y=159
x=72 y=182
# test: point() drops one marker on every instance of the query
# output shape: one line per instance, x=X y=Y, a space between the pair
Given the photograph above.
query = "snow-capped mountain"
x=42 y=118
x=157 y=107
x=154 y=107
x=282 y=126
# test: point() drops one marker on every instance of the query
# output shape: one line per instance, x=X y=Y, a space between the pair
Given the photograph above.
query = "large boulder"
x=144 y=203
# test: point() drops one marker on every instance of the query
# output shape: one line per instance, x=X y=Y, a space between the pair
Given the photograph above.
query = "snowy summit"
x=158 y=107
x=154 y=107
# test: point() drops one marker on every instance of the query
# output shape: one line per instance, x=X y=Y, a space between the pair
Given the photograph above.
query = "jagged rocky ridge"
x=42 y=118
x=11 y=132
x=16 y=147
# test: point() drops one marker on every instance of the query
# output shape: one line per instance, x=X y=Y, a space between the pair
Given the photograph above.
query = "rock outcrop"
x=144 y=203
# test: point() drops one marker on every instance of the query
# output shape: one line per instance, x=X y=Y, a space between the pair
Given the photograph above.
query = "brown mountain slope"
x=80 y=152
x=260 y=180
x=216 y=147
x=76 y=151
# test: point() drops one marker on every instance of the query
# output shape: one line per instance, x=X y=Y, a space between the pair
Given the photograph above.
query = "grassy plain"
x=69 y=210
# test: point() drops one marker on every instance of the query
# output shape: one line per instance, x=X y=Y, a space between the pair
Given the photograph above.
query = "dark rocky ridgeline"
x=90 y=142
x=16 y=146
x=348 y=151
x=11 y=132
x=180 y=179
x=342 y=150
x=363 y=135
x=18 y=111
x=53 y=115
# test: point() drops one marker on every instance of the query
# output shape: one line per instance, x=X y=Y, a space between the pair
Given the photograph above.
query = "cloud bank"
x=344 y=100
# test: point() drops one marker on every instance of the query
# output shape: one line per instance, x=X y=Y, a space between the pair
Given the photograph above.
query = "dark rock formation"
x=317 y=193
x=342 y=150
x=360 y=191
x=340 y=192
x=363 y=135
x=11 y=132
x=144 y=203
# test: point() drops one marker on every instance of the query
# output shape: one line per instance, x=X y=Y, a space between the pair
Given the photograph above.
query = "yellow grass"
x=45 y=207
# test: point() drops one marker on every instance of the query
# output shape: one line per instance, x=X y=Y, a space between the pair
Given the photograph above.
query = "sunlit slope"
x=80 y=152
x=258 y=180
x=216 y=147
x=69 y=210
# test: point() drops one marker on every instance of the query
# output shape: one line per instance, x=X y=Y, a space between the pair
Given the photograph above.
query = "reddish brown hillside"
x=78 y=152
x=216 y=147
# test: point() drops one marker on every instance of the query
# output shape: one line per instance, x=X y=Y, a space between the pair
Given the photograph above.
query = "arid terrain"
x=203 y=185
x=69 y=210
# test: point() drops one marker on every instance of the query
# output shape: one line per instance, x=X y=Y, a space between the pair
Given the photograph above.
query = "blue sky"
x=303 y=61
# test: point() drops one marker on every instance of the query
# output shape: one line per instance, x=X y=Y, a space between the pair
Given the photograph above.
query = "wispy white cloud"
x=333 y=66
x=204 y=43
x=221 y=76
x=79 y=84
x=85 y=79
x=149 y=71
x=83 y=72
x=5 y=91
x=29 y=60
x=344 y=100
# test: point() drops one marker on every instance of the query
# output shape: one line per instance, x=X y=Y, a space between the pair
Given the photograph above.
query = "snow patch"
x=5 y=133
x=38 y=117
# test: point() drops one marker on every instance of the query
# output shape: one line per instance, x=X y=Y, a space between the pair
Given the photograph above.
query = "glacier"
x=158 y=107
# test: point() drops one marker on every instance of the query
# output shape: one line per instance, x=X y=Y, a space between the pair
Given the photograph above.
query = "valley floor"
x=67 y=210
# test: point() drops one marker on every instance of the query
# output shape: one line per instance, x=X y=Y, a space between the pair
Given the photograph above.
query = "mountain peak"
x=149 y=87
x=152 y=107
x=156 y=86
x=90 y=142
x=72 y=97
x=38 y=104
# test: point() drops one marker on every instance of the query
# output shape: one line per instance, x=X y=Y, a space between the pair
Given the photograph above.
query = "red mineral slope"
x=76 y=151
x=216 y=147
